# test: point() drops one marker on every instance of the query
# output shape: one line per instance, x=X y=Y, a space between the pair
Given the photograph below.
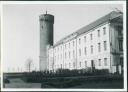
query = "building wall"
x=95 y=55
x=71 y=54
x=96 y=48
x=116 y=53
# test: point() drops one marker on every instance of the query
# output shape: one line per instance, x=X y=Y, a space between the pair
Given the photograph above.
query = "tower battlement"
x=47 y=17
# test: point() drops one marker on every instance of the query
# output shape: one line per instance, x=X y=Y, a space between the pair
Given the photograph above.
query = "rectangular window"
x=91 y=49
x=79 y=40
x=73 y=53
x=85 y=64
x=55 y=58
x=99 y=47
x=74 y=64
x=105 y=45
x=105 y=61
x=121 y=61
x=98 y=33
x=79 y=52
x=65 y=55
x=84 y=38
x=120 y=31
x=104 y=30
x=91 y=36
x=69 y=54
x=80 y=64
x=61 y=56
x=69 y=65
x=99 y=62
x=61 y=47
x=58 y=49
x=65 y=65
x=73 y=43
x=120 y=45
x=69 y=45
x=61 y=66
x=85 y=52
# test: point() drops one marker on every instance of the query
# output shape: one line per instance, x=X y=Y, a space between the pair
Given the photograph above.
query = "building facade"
x=98 y=45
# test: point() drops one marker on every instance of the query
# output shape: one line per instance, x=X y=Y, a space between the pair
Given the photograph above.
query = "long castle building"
x=98 y=45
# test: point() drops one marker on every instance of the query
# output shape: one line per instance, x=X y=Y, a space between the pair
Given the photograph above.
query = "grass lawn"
x=100 y=83
x=118 y=84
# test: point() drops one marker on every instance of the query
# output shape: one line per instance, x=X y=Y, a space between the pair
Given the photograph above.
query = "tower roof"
x=46 y=17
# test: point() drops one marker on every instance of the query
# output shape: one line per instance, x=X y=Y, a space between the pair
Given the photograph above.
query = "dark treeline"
x=69 y=73
x=64 y=78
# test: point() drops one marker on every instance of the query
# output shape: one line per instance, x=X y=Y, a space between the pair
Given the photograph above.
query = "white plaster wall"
x=61 y=50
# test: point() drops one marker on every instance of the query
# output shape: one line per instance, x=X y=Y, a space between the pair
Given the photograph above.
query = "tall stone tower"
x=46 y=38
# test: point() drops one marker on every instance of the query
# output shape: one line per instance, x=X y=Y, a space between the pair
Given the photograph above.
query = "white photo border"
x=67 y=2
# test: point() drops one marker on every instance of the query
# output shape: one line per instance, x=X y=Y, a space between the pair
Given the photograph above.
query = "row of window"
x=91 y=38
x=91 y=35
x=85 y=51
x=85 y=64
x=65 y=46
x=99 y=48
x=99 y=62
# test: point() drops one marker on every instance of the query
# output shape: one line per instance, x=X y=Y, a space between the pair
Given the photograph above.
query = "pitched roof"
x=96 y=23
x=108 y=17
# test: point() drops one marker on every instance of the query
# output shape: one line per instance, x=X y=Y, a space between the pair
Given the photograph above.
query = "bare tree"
x=29 y=64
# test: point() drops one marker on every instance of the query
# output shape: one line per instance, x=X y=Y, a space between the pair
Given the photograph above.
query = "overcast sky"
x=21 y=28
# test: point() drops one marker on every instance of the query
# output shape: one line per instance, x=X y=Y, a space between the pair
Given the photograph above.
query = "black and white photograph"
x=63 y=46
